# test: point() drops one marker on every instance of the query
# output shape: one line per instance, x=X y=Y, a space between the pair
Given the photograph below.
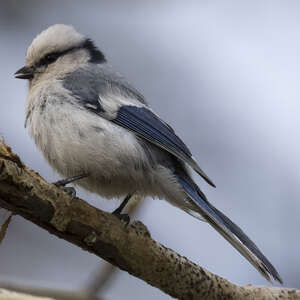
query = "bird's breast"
x=76 y=141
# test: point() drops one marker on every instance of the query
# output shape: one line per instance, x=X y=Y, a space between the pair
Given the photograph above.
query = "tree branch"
x=43 y=293
x=131 y=248
x=12 y=295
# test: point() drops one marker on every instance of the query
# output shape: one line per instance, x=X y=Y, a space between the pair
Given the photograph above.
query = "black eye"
x=51 y=57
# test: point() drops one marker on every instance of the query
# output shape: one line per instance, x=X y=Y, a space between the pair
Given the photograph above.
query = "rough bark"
x=26 y=193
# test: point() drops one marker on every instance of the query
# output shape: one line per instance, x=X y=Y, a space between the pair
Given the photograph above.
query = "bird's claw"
x=122 y=217
x=68 y=180
x=69 y=190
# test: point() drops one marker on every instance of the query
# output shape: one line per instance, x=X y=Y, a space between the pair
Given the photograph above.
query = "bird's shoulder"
x=100 y=80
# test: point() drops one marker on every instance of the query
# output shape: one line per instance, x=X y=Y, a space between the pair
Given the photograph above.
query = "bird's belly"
x=76 y=142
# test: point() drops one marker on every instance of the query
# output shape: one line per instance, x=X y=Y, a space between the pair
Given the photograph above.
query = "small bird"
x=87 y=119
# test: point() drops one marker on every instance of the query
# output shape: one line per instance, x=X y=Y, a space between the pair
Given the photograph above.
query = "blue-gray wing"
x=107 y=94
x=144 y=123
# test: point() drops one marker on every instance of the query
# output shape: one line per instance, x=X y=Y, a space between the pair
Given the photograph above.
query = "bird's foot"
x=68 y=180
x=122 y=217
x=69 y=190
x=117 y=212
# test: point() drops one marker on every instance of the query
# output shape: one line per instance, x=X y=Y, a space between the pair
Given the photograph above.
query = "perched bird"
x=87 y=119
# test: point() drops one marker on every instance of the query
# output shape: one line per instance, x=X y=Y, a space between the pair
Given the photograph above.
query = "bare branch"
x=33 y=291
x=101 y=277
x=99 y=280
x=4 y=227
x=12 y=295
x=131 y=248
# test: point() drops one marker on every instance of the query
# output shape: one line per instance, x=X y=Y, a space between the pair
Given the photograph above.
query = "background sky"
x=225 y=76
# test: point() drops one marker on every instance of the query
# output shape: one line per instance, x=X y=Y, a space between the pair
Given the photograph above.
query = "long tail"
x=230 y=231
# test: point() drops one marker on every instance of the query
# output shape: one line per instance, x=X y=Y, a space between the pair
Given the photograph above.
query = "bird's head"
x=57 y=51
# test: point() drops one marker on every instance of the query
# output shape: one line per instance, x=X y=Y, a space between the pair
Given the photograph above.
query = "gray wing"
x=110 y=96
x=144 y=123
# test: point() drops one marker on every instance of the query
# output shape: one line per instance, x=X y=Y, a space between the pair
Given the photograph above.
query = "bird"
x=90 y=122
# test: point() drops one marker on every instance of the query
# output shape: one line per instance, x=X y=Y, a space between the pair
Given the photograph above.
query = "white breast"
x=76 y=141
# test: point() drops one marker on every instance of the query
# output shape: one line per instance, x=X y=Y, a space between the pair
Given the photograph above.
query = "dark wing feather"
x=88 y=87
x=147 y=125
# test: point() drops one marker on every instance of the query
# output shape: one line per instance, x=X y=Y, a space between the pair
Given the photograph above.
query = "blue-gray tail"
x=230 y=231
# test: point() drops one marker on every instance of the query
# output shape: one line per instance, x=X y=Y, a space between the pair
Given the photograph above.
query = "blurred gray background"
x=225 y=75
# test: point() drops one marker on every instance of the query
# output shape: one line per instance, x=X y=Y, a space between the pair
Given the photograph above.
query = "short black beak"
x=25 y=73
